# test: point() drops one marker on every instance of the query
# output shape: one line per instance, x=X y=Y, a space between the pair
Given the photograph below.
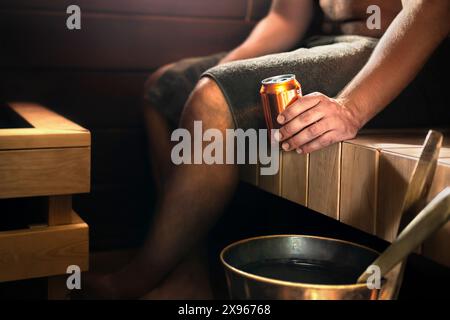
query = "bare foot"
x=188 y=281
x=95 y=286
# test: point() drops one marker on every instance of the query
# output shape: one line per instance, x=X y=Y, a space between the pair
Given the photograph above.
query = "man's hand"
x=316 y=121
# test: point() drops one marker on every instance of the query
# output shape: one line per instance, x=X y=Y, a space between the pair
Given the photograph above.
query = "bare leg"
x=158 y=132
x=188 y=281
x=194 y=197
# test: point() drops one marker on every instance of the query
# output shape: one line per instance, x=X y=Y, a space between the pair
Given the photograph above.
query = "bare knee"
x=154 y=77
x=207 y=103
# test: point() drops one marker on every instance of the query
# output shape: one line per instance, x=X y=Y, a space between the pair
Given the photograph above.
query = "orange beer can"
x=277 y=93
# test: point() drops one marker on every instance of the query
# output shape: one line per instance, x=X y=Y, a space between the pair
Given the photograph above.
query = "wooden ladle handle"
x=430 y=219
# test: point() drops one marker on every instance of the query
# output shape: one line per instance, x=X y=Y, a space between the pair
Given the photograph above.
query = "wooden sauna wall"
x=95 y=76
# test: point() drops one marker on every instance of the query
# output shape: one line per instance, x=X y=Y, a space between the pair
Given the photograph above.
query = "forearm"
x=279 y=31
x=412 y=37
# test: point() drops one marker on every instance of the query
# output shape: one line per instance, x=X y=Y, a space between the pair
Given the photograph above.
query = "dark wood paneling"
x=111 y=41
x=232 y=9
x=119 y=156
x=95 y=100
x=118 y=215
x=260 y=8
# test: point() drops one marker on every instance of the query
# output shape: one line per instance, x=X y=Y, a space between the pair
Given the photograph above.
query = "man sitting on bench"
x=349 y=74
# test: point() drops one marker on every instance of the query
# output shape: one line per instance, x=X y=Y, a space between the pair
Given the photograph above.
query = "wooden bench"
x=360 y=182
x=48 y=157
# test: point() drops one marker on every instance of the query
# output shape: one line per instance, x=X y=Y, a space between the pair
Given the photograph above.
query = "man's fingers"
x=301 y=105
x=321 y=142
x=307 y=135
x=300 y=122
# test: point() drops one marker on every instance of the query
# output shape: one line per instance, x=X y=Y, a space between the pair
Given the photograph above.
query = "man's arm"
x=316 y=121
x=285 y=24
x=403 y=50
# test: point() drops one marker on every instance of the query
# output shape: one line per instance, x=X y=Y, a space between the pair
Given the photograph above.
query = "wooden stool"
x=47 y=157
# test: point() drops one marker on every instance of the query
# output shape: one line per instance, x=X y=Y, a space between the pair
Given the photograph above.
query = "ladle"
x=430 y=219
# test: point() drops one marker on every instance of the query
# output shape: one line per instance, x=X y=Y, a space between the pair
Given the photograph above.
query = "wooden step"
x=42 y=251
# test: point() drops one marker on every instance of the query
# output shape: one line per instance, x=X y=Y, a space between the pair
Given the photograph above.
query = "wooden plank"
x=41 y=39
x=50 y=130
x=360 y=172
x=42 y=118
x=324 y=180
x=394 y=175
x=415 y=152
x=294 y=177
x=395 y=139
x=60 y=210
x=396 y=166
x=271 y=183
x=389 y=141
x=60 y=213
x=437 y=247
x=30 y=138
x=42 y=172
x=233 y=9
x=359 y=184
x=42 y=252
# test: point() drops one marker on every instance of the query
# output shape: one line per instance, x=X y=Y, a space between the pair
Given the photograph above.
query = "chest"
x=345 y=10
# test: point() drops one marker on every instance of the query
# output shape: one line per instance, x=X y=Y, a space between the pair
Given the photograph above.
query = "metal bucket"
x=269 y=267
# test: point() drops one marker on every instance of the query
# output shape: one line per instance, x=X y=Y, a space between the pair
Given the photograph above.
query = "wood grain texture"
x=437 y=247
x=60 y=210
x=324 y=180
x=294 y=177
x=394 y=175
x=50 y=130
x=359 y=187
x=30 y=138
x=415 y=152
x=390 y=140
x=271 y=183
x=41 y=252
x=113 y=42
x=42 y=118
x=42 y=172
